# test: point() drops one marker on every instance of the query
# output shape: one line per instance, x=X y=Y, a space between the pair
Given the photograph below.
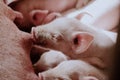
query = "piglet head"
x=64 y=35
x=38 y=17
x=49 y=75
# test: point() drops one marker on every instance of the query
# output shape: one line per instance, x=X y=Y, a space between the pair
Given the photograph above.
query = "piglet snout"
x=38 y=37
x=40 y=76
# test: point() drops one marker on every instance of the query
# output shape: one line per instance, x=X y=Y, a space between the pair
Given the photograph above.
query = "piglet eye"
x=76 y=41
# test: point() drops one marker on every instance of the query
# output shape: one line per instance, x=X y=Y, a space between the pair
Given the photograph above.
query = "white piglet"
x=49 y=60
x=72 y=70
x=78 y=41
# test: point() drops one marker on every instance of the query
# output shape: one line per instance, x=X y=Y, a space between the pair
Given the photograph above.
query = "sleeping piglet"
x=78 y=41
x=72 y=70
x=49 y=60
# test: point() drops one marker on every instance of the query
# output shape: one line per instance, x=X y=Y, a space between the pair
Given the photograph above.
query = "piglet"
x=73 y=70
x=49 y=60
x=78 y=41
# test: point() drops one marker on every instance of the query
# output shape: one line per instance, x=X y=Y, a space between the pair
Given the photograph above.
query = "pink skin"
x=12 y=15
x=49 y=60
x=15 y=47
x=78 y=41
x=72 y=70
x=43 y=11
x=43 y=16
x=73 y=8
x=107 y=17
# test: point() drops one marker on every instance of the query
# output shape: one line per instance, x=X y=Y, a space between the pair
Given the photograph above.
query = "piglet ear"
x=89 y=78
x=37 y=16
x=81 y=41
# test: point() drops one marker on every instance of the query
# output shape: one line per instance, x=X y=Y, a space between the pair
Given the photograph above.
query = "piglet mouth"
x=41 y=43
x=38 y=40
